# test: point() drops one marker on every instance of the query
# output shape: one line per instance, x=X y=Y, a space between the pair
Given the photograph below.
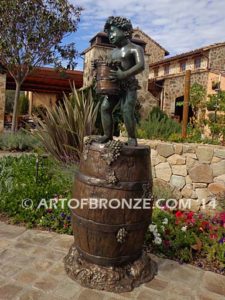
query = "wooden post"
x=186 y=102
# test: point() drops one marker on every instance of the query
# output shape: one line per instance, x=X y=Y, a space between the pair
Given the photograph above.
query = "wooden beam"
x=187 y=81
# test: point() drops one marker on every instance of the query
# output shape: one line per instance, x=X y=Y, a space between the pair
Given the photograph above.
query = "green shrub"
x=21 y=181
x=23 y=105
x=62 y=128
x=19 y=141
x=157 y=126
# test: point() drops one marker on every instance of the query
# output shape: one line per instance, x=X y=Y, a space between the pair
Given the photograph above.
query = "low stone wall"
x=191 y=171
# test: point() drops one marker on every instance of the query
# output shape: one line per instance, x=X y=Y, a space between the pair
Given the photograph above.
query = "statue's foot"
x=132 y=142
x=103 y=139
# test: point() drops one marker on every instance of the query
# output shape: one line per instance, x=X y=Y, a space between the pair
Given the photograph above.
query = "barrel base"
x=119 y=279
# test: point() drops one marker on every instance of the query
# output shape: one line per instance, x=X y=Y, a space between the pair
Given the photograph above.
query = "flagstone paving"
x=31 y=268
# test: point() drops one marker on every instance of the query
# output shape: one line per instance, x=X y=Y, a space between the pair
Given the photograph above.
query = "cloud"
x=178 y=26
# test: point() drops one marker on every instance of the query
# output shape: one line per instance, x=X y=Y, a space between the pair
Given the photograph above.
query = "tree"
x=197 y=98
x=31 y=34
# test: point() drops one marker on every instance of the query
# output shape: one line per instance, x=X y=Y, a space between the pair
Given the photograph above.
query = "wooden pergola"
x=48 y=80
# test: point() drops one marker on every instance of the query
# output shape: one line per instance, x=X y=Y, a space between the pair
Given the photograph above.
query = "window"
x=156 y=72
x=197 y=62
x=166 y=69
x=182 y=66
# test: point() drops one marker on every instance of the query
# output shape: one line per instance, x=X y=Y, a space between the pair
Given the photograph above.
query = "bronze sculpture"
x=128 y=60
x=107 y=253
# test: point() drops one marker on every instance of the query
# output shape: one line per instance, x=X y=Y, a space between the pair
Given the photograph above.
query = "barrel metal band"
x=106 y=261
x=127 y=186
x=92 y=225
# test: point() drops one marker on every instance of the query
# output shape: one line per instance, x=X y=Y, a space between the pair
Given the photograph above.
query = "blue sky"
x=178 y=26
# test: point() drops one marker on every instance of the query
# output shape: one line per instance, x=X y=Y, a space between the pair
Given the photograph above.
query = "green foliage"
x=197 y=96
x=9 y=100
x=216 y=120
x=187 y=235
x=31 y=34
x=62 y=128
x=19 y=180
x=19 y=141
x=157 y=126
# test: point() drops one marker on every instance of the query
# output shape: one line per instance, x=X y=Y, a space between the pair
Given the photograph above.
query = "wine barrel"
x=108 y=236
x=105 y=86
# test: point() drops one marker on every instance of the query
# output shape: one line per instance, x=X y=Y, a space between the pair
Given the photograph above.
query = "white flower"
x=153 y=228
x=165 y=221
x=156 y=234
x=163 y=228
x=158 y=241
x=184 y=228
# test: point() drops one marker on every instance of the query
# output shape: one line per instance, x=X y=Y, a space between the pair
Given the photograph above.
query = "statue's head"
x=121 y=27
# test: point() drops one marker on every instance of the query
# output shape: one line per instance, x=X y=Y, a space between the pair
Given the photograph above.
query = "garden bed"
x=187 y=237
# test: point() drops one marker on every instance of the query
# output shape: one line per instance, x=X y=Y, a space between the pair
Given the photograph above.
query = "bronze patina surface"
x=116 y=279
x=108 y=250
x=108 y=242
x=126 y=61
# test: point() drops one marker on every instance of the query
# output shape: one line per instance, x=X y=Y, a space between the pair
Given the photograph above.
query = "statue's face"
x=116 y=35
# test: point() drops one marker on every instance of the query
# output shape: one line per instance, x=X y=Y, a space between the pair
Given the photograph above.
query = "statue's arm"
x=139 y=66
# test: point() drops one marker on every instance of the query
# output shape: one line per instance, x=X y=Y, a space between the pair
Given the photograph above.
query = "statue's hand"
x=117 y=75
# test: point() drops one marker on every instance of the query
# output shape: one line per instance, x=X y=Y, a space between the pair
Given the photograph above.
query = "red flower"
x=213 y=236
x=179 y=214
x=200 y=216
x=205 y=225
x=190 y=215
x=222 y=216
x=166 y=243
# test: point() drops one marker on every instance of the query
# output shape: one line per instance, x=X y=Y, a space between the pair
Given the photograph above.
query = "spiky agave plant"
x=62 y=128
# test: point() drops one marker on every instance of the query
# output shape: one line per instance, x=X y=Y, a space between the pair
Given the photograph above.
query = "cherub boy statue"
x=129 y=59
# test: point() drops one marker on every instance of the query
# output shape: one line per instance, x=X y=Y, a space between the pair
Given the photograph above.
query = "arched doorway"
x=179 y=109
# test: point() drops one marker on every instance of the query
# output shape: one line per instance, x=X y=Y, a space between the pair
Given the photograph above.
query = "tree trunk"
x=15 y=107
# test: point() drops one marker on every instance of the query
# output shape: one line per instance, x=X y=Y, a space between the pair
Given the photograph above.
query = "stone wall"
x=217 y=58
x=191 y=171
x=174 y=88
x=152 y=48
x=2 y=100
x=146 y=99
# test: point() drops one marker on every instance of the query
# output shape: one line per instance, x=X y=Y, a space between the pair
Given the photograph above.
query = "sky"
x=177 y=25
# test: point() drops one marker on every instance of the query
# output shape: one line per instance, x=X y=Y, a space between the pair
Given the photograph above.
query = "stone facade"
x=174 y=88
x=217 y=58
x=211 y=64
x=2 y=100
x=152 y=48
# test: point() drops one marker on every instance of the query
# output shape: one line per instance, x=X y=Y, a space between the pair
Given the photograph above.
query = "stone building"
x=166 y=78
x=100 y=48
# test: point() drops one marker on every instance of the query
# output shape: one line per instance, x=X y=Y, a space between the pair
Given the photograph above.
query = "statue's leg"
x=128 y=108
x=107 y=107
